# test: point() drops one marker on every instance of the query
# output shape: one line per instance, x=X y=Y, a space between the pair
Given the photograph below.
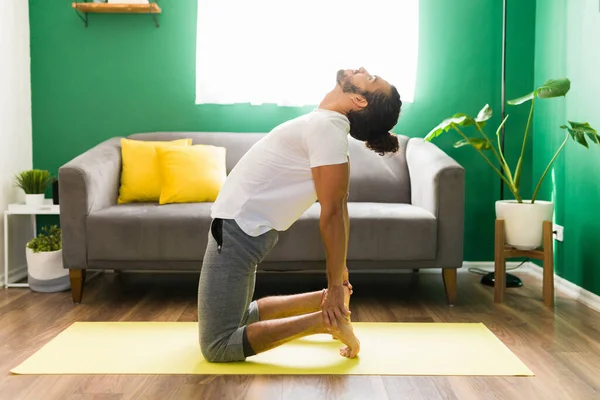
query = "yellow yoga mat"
x=172 y=348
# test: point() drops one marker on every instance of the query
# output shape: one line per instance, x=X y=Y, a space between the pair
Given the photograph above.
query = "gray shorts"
x=226 y=289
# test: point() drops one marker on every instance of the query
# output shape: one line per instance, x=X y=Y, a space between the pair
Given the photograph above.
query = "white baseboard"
x=560 y=284
x=570 y=289
x=14 y=275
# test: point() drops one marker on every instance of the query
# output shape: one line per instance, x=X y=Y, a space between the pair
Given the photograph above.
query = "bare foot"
x=346 y=333
x=347 y=294
x=347 y=336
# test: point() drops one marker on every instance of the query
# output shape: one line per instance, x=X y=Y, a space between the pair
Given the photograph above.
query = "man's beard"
x=345 y=83
x=349 y=87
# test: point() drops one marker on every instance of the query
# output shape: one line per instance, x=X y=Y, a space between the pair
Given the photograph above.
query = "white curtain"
x=288 y=52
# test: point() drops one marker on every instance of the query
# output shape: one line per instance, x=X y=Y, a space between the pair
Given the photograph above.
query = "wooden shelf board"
x=151 y=8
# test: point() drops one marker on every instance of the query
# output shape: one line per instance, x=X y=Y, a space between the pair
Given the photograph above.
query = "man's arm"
x=347 y=221
x=331 y=184
x=347 y=224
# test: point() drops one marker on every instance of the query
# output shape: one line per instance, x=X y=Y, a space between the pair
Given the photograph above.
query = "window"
x=288 y=52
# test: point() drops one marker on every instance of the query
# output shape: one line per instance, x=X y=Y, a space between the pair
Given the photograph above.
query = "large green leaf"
x=552 y=88
x=446 y=125
x=585 y=127
x=579 y=130
x=478 y=143
x=582 y=126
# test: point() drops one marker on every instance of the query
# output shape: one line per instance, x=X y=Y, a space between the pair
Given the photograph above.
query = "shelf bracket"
x=155 y=16
x=83 y=17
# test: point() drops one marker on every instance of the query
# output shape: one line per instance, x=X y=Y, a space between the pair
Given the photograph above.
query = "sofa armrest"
x=438 y=185
x=87 y=183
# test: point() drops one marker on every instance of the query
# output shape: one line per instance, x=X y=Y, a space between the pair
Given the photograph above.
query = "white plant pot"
x=46 y=272
x=524 y=222
x=34 y=199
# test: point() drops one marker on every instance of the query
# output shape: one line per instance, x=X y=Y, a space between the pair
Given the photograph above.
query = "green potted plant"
x=523 y=218
x=34 y=183
x=45 y=269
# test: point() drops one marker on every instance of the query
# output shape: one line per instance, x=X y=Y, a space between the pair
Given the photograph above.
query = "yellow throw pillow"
x=140 y=175
x=191 y=174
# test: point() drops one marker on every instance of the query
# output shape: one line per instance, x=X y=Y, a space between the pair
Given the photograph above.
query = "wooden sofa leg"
x=77 y=277
x=449 y=275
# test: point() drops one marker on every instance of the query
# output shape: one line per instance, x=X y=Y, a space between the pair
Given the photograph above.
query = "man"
x=272 y=185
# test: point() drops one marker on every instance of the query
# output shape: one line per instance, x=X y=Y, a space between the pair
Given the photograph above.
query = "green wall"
x=567 y=46
x=121 y=75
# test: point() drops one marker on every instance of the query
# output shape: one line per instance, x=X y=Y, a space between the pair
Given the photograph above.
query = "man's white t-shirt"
x=272 y=185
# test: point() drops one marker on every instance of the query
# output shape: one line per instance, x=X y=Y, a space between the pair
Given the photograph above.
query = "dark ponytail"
x=373 y=123
x=382 y=144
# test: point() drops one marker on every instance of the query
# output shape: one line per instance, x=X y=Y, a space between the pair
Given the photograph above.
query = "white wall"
x=15 y=104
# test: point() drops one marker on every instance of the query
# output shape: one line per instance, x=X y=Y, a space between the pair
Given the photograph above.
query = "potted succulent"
x=34 y=183
x=523 y=219
x=45 y=269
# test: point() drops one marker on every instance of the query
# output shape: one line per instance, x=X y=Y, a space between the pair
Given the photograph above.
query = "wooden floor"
x=562 y=347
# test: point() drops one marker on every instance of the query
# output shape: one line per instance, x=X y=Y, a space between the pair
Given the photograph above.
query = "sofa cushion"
x=148 y=231
x=191 y=174
x=378 y=231
x=179 y=232
x=379 y=179
x=140 y=172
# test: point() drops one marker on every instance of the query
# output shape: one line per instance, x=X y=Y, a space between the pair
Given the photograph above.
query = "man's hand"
x=334 y=307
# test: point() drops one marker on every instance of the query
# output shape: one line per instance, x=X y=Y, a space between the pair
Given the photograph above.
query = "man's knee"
x=209 y=352
x=217 y=350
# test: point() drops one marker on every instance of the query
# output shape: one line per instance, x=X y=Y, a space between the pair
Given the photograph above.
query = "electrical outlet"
x=558 y=232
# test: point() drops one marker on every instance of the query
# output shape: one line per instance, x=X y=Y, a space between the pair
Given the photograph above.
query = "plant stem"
x=537 y=188
x=491 y=145
x=510 y=186
x=504 y=163
x=520 y=163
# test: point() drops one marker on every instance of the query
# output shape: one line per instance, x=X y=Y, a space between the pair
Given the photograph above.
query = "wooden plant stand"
x=503 y=252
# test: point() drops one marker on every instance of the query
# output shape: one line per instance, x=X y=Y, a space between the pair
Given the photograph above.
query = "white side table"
x=48 y=208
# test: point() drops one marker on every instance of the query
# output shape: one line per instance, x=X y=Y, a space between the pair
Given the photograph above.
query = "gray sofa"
x=406 y=212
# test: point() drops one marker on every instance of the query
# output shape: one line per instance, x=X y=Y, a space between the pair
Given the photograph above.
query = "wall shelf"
x=106 y=8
